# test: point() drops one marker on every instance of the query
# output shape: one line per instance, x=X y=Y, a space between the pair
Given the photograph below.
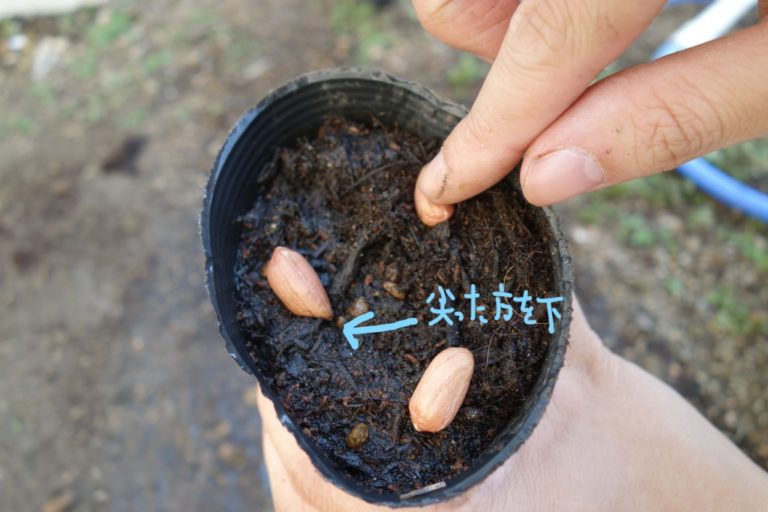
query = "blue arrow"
x=351 y=328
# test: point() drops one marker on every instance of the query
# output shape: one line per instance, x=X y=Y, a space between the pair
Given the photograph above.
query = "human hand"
x=537 y=99
x=613 y=438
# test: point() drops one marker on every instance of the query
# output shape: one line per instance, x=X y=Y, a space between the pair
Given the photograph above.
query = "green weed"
x=352 y=17
x=674 y=286
x=634 y=229
x=133 y=119
x=156 y=61
x=43 y=93
x=467 y=71
x=751 y=245
x=22 y=125
x=102 y=35
x=702 y=217
x=362 y=22
x=86 y=65
x=732 y=316
x=596 y=209
x=9 y=27
x=746 y=162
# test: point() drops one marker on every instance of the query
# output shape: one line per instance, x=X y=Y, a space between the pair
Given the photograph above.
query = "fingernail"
x=432 y=178
x=561 y=175
x=430 y=213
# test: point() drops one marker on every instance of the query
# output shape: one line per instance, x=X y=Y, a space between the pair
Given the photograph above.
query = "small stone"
x=256 y=68
x=358 y=307
x=17 y=42
x=61 y=503
x=394 y=290
x=357 y=436
x=581 y=235
x=368 y=280
x=411 y=358
x=61 y=188
x=137 y=343
x=674 y=371
x=221 y=430
x=231 y=454
x=49 y=53
x=100 y=496
x=471 y=413
x=23 y=259
x=392 y=273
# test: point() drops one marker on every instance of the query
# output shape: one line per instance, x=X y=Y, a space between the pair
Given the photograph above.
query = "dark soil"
x=345 y=202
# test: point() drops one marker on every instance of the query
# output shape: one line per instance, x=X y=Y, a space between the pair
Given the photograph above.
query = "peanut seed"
x=441 y=390
x=297 y=285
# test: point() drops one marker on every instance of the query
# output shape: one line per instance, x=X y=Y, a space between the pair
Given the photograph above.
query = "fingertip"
x=531 y=191
x=430 y=213
x=433 y=178
x=560 y=175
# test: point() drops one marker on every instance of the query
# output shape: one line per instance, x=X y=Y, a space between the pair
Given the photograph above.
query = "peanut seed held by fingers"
x=297 y=285
x=441 y=390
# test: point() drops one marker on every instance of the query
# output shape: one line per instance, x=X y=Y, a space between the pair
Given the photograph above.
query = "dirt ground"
x=116 y=392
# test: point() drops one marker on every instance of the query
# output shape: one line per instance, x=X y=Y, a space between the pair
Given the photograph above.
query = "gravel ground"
x=116 y=392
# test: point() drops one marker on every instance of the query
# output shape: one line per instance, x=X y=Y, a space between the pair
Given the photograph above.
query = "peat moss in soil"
x=345 y=201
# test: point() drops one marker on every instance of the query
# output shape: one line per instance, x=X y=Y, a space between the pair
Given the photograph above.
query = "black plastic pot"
x=298 y=109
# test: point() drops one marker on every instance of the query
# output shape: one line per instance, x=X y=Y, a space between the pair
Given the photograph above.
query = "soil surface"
x=345 y=201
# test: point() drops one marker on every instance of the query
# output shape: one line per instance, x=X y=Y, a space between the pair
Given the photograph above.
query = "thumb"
x=654 y=117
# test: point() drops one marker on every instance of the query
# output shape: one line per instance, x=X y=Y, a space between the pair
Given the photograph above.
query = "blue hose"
x=709 y=177
x=726 y=189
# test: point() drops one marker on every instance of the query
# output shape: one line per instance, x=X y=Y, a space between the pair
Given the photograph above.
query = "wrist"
x=679 y=461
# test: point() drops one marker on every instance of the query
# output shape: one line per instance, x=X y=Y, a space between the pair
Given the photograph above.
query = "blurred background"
x=116 y=392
